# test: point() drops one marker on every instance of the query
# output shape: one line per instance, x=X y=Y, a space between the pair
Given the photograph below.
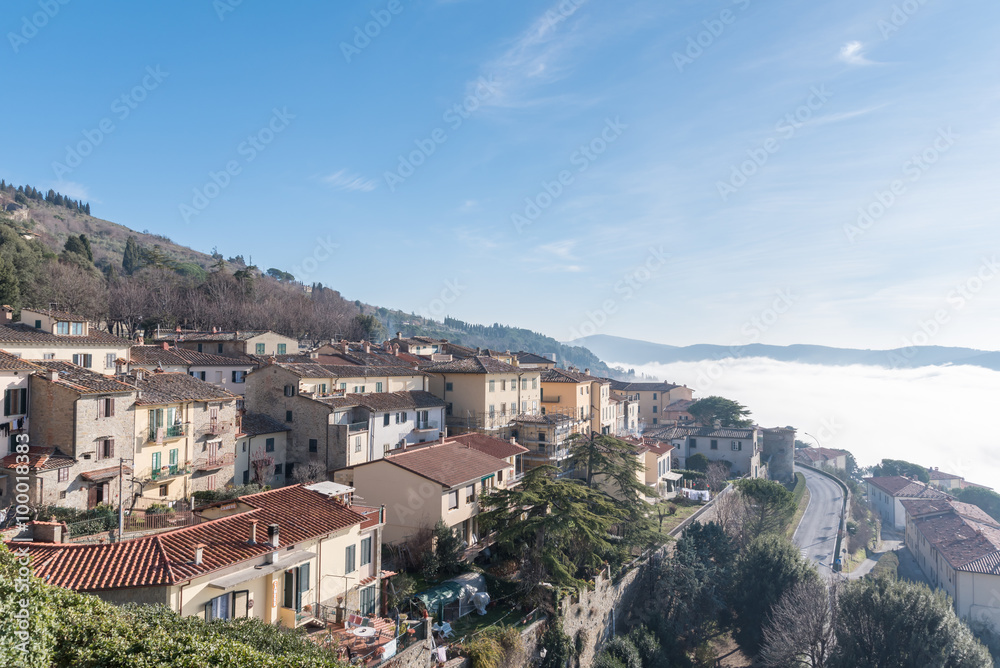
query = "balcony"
x=216 y=462
x=216 y=427
x=164 y=473
x=356 y=427
x=427 y=426
x=546 y=399
x=161 y=434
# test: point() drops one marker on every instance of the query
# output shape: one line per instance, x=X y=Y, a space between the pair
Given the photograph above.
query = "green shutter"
x=6 y=402
x=304 y=577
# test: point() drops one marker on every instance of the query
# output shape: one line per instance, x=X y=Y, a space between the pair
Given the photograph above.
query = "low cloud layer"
x=935 y=416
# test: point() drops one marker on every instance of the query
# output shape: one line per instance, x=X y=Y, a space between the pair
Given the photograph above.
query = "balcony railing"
x=159 y=434
x=430 y=425
x=216 y=462
x=215 y=427
x=164 y=472
x=358 y=426
x=546 y=399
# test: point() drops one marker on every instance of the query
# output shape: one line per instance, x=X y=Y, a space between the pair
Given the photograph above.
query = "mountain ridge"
x=621 y=350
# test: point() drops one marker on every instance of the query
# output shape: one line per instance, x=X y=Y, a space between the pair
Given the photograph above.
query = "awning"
x=670 y=475
x=254 y=572
x=100 y=475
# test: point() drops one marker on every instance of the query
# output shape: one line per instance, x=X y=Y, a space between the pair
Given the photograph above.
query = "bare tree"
x=801 y=627
x=309 y=472
x=262 y=465
x=731 y=514
x=716 y=476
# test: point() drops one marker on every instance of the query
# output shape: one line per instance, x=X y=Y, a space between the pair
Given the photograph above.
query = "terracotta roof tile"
x=254 y=424
x=567 y=376
x=40 y=458
x=153 y=355
x=168 y=558
x=18 y=332
x=81 y=380
x=491 y=445
x=10 y=362
x=449 y=464
x=475 y=364
x=898 y=486
x=170 y=388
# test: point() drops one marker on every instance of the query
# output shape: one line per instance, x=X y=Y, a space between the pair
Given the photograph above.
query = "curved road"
x=816 y=534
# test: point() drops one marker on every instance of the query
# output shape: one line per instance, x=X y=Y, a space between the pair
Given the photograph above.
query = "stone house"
x=80 y=430
x=225 y=371
x=232 y=344
x=887 y=493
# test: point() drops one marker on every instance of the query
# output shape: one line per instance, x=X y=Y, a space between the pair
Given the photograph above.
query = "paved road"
x=817 y=532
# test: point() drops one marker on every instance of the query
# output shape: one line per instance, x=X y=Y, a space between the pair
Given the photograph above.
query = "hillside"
x=631 y=351
x=52 y=225
x=45 y=226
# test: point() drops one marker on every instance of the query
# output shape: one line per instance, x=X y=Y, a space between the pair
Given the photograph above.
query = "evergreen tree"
x=58 y=199
x=132 y=259
x=50 y=196
x=10 y=290
x=86 y=208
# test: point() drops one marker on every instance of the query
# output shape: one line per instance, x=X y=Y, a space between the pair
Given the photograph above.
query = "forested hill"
x=496 y=337
x=52 y=250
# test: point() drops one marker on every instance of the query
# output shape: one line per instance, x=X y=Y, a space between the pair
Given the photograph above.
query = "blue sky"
x=682 y=172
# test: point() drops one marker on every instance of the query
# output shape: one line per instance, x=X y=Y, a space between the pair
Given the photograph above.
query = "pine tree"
x=86 y=245
x=58 y=199
x=50 y=196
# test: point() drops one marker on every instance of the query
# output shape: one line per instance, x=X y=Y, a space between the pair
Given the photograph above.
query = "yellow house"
x=185 y=436
x=653 y=399
x=483 y=393
x=421 y=485
x=581 y=395
x=288 y=556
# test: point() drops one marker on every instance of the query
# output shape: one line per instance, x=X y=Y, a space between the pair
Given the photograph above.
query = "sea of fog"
x=943 y=416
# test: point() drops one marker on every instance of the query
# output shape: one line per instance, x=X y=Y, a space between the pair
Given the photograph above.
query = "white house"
x=14 y=374
x=261 y=439
x=887 y=493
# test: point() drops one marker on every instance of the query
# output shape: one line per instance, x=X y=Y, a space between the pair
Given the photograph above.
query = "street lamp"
x=813 y=438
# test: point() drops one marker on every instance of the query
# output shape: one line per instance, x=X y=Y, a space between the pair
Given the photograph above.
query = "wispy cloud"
x=344 y=180
x=536 y=56
x=853 y=53
x=74 y=190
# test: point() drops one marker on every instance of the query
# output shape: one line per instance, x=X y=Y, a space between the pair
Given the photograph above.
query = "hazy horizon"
x=933 y=416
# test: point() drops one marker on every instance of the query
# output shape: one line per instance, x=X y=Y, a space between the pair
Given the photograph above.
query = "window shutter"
x=6 y=402
x=111 y=403
x=234 y=376
x=111 y=447
x=100 y=407
x=304 y=577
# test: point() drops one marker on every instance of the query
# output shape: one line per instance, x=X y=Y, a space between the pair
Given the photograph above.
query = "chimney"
x=586 y=371
x=253 y=532
x=272 y=535
x=8 y=314
x=199 y=552
x=52 y=375
x=366 y=346
x=718 y=424
x=344 y=346
x=178 y=328
x=166 y=346
x=399 y=335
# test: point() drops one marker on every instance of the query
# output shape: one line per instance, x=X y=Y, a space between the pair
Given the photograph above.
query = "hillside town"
x=247 y=474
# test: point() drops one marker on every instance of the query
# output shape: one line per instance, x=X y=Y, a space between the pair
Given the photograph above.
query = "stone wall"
x=607 y=609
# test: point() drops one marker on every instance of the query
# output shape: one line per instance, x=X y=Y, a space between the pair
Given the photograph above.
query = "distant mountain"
x=619 y=350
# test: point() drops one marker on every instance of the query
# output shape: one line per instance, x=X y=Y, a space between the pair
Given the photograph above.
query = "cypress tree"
x=132 y=259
